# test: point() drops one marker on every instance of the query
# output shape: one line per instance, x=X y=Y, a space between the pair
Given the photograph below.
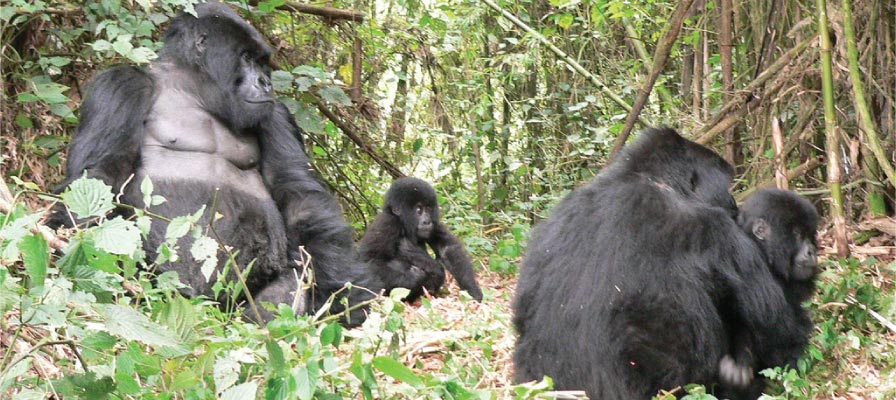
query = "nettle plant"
x=112 y=328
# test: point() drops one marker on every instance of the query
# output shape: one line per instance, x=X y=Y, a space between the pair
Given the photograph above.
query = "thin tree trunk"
x=866 y=122
x=663 y=48
x=639 y=47
x=726 y=50
x=832 y=143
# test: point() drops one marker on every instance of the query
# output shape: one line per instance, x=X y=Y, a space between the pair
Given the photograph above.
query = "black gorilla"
x=203 y=123
x=394 y=246
x=621 y=289
x=784 y=225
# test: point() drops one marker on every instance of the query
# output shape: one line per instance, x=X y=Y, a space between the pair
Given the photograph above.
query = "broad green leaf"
x=331 y=334
x=397 y=370
x=281 y=80
x=275 y=356
x=304 y=385
x=142 y=55
x=333 y=94
x=226 y=373
x=308 y=70
x=118 y=236
x=130 y=324
x=177 y=228
x=242 y=391
x=205 y=249
x=146 y=188
x=88 y=197
x=12 y=234
x=565 y=20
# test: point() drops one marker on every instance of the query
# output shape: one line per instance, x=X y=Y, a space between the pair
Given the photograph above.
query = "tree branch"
x=352 y=134
x=663 y=48
x=565 y=58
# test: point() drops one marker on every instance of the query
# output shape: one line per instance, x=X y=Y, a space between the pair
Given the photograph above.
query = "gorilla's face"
x=423 y=216
x=241 y=68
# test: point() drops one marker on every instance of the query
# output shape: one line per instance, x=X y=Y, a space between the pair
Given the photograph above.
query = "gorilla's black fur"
x=784 y=225
x=395 y=244
x=202 y=122
x=621 y=288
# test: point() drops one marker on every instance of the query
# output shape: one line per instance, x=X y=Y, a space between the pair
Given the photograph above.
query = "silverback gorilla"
x=203 y=123
x=621 y=289
x=784 y=225
x=395 y=244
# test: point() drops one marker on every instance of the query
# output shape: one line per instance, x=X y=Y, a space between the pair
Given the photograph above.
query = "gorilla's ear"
x=395 y=211
x=200 y=43
x=761 y=229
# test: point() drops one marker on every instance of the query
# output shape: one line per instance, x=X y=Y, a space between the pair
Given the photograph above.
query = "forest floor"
x=852 y=356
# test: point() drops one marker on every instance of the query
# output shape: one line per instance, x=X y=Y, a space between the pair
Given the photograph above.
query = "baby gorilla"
x=784 y=226
x=395 y=244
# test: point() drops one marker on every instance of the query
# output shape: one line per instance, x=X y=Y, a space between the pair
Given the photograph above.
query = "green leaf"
x=146 y=188
x=334 y=94
x=132 y=325
x=51 y=92
x=304 y=385
x=331 y=334
x=36 y=256
x=565 y=20
x=22 y=121
x=226 y=373
x=177 y=228
x=241 y=392
x=119 y=236
x=275 y=356
x=205 y=249
x=308 y=70
x=88 y=197
x=397 y=370
x=141 y=55
x=281 y=80
x=101 y=45
x=123 y=45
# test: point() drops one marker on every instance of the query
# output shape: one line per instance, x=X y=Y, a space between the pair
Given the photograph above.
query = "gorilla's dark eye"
x=419 y=209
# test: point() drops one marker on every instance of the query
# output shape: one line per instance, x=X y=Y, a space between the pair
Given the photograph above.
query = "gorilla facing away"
x=784 y=225
x=621 y=290
x=202 y=122
x=394 y=245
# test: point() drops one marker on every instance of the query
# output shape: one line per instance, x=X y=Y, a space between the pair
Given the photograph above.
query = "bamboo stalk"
x=832 y=145
x=726 y=50
x=780 y=157
x=866 y=123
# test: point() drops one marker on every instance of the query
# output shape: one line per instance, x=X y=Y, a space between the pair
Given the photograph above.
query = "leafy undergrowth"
x=92 y=325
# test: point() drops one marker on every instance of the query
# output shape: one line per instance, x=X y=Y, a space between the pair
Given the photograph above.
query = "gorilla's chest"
x=184 y=142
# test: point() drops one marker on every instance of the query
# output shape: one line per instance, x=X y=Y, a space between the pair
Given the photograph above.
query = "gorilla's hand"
x=733 y=374
x=406 y=246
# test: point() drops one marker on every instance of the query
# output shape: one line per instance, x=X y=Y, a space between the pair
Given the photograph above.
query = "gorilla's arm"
x=109 y=139
x=311 y=214
x=450 y=250
x=776 y=331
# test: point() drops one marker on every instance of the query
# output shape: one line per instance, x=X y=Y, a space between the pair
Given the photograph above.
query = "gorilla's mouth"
x=258 y=101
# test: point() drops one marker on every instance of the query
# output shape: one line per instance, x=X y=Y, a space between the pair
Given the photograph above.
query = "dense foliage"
x=457 y=93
